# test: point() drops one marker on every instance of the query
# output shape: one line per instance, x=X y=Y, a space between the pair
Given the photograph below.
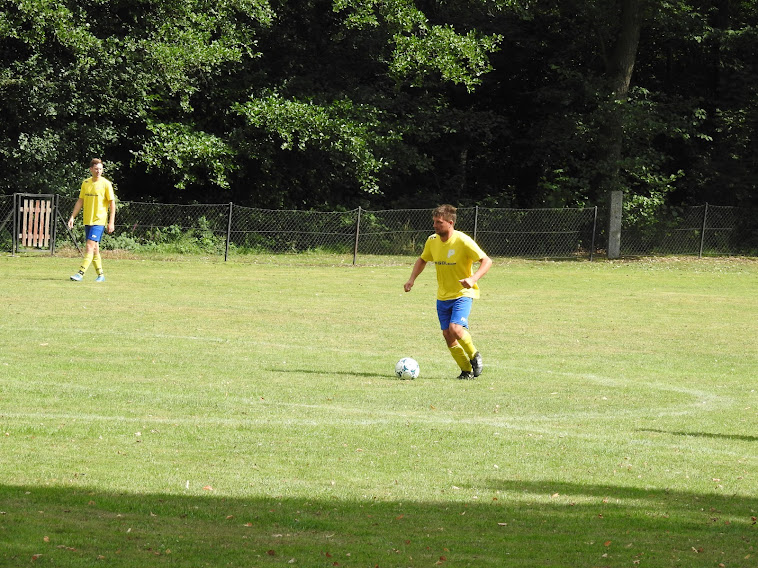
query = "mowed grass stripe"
x=241 y=414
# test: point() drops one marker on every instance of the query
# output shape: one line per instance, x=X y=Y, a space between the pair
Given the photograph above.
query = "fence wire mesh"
x=222 y=229
x=703 y=230
x=6 y=221
x=534 y=233
x=266 y=230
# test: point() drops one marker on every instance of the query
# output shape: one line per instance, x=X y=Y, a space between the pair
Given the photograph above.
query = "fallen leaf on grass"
x=207 y=488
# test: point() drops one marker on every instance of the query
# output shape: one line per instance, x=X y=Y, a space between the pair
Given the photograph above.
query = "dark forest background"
x=330 y=104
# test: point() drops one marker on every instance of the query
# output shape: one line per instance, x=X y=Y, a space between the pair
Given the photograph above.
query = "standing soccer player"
x=454 y=254
x=97 y=199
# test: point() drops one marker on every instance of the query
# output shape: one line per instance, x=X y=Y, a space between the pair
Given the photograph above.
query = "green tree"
x=110 y=79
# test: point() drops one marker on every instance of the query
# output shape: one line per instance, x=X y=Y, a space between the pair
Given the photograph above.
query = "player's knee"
x=455 y=330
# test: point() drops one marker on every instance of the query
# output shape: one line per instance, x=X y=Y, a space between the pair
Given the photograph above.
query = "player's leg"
x=98 y=262
x=445 y=312
x=472 y=352
x=459 y=330
x=89 y=253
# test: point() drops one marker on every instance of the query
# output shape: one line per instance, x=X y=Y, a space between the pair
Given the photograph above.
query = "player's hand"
x=467 y=283
x=408 y=285
x=71 y=223
x=111 y=227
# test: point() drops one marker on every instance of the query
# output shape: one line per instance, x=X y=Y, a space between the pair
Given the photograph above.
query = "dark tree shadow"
x=739 y=437
x=511 y=523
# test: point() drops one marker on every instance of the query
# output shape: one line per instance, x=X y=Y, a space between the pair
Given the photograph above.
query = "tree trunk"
x=619 y=68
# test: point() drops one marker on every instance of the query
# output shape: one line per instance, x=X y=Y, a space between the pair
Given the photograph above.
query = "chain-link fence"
x=532 y=233
x=6 y=222
x=228 y=230
x=709 y=230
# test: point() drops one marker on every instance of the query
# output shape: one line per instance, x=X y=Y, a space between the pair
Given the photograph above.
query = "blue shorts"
x=94 y=232
x=454 y=311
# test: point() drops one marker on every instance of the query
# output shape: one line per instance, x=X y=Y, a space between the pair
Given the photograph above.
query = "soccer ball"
x=407 y=368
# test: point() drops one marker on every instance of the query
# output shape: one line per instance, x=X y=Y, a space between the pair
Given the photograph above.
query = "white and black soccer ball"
x=407 y=368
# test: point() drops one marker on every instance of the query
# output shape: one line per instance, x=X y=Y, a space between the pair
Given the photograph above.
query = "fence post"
x=702 y=232
x=357 y=234
x=476 y=220
x=614 y=224
x=54 y=222
x=14 y=241
x=228 y=231
x=594 y=229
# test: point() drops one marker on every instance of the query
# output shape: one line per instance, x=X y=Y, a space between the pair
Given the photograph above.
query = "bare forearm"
x=112 y=216
x=418 y=268
x=75 y=212
x=484 y=267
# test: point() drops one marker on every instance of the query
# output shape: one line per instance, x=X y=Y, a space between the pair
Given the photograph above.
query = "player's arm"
x=418 y=267
x=111 y=216
x=484 y=265
x=75 y=212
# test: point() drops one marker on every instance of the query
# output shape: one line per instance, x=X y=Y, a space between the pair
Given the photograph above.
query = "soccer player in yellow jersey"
x=454 y=254
x=97 y=199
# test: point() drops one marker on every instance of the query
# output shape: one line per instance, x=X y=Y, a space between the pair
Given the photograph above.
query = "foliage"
x=329 y=103
x=172 y=239
x=343 y=131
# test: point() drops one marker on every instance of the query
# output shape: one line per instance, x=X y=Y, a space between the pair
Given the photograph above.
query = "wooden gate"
x=34 y=222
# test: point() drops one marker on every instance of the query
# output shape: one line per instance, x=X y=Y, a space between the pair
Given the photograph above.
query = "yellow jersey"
x=453 y=260
x=96 y=195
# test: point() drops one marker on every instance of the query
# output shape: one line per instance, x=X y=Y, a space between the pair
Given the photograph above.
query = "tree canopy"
x=391 y=103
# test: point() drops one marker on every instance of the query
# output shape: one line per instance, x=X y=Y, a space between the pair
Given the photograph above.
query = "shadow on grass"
x=330 y=373
x=739 y=437
x=511 y=523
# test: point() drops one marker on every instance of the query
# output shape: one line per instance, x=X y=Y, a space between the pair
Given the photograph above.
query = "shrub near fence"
x=228 y=229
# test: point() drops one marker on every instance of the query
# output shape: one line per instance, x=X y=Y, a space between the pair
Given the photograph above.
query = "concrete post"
x=614 y=223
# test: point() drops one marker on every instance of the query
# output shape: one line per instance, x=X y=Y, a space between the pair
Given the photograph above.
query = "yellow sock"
x=86 y=262
x=98 y=262
x=468 y=344
x=460 y=357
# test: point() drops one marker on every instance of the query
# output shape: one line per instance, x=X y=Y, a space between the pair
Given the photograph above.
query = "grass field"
x=201 y=413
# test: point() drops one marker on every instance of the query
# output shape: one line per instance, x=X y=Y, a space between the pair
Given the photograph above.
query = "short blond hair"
x=95 y=161
x=446 y=211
